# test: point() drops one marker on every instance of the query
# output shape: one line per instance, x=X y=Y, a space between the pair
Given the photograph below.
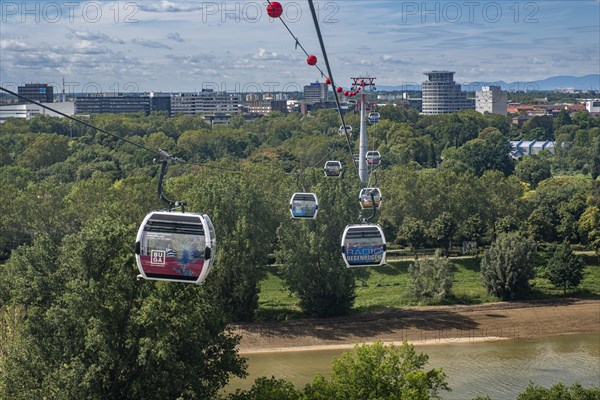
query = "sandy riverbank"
x=426 y=325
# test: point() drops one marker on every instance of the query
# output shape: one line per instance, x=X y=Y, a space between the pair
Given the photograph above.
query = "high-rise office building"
x=115 y=103
x=491 y=99
x=40 y=92
x=441 y=95
x=315 y=93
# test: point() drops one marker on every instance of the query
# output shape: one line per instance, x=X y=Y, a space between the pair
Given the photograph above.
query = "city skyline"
x=234 y=46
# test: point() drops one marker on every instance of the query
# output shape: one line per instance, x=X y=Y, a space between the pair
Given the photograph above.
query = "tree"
x=480 y=155
x=595 y=168
x=565 y=268
x=560 y=392
x=442 y=229
x=310 y=254
x=534 y=169
x=245 y=224
x=562 y=119
x=507 y=266
x=46 y=149
x=542 y=126
x=471 y=229
x=589 y=227
x=378 y=371
x=412 y=231
x=557 y=204
x=431 y=278
x=106 y=335
x=267 y=389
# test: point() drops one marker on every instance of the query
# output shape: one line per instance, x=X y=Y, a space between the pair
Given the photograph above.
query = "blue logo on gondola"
x=364 y=254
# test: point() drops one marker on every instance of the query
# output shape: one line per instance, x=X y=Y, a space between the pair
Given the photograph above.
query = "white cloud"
x=168 y=6
x=390 y=59
x=93 y=37
x=256 y=51
x=263 y=54
x=13 y=45
x=175 y=36
x=150 y=43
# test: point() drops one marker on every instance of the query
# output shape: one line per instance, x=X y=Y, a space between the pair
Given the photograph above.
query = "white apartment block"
x=593 y=106
x=491 y=99
x=205 y=102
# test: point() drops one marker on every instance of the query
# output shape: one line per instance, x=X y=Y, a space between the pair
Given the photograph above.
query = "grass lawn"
x=275 y=301
x=386 y=287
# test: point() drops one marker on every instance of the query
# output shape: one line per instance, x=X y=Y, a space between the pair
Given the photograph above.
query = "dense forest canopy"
x=72 y=199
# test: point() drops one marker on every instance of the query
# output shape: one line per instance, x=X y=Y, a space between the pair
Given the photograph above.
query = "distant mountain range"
x=587 y=82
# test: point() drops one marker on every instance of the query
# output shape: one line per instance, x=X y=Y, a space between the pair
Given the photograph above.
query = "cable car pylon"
x=361 y=83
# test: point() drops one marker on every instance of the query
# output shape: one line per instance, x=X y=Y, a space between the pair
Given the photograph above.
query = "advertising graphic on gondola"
x=306 y=209
x=364 y=254
x=173 y=255
x=304 y=205
x=363 y=245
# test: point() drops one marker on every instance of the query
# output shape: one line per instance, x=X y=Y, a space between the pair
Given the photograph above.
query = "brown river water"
x=499 y=368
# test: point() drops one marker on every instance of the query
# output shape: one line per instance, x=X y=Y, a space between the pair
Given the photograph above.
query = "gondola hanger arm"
x=165 y=159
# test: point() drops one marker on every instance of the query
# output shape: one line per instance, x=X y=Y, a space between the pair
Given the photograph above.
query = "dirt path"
x=439 y=324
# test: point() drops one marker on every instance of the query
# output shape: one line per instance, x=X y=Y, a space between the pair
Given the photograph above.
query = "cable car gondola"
x=175 y=246
x=342 y=132
x=304 y=206
x=369 y=198
x=374 y=117
x=213 y=241
x=333 y=168
x=356 y=158
x=363 y=245
x=373 y=157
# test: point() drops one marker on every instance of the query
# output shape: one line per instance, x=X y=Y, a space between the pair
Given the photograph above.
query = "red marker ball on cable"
x=311 y=60
x=274 y=9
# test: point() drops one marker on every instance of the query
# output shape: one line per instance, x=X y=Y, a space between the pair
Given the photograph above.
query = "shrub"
x=431 y=278
x=507 y=266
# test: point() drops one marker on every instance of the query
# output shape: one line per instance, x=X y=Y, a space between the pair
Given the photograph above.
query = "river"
x=500 y=368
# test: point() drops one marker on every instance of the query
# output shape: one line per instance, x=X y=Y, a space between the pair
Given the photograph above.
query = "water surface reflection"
x=500 y=369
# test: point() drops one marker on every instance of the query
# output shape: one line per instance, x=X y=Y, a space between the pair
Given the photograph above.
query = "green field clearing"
x=386 y=287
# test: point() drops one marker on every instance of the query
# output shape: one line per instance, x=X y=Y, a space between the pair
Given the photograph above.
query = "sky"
x=185 y=46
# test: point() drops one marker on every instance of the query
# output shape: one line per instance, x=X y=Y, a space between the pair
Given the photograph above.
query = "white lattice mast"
x=360 y=84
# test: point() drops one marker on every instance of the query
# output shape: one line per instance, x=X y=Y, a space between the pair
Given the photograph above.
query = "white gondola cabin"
x=213 y=241
x=343 y=132
x=363 y=245
x=369 y=198
x=175 y=246
x=304 y=206
x=373 y=157
x=333 y=168
x=374 y=117
x=356 y=158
